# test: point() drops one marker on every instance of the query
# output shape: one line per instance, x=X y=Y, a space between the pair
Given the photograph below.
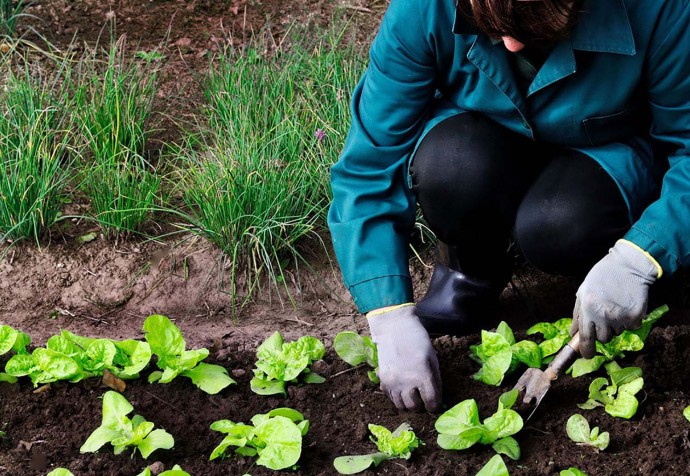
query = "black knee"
x=570 y=217
x=468 y=175
x=559 y=240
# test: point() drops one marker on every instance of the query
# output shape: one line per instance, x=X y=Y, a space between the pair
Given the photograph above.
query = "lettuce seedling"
x=5 y=377
x=578 y=430
x=356 y=350
x=121 y=432
x=60 y=472
x=168 y=345
x=499 y=354
x=686 y=412
x=617 y=398
x=627 y=341
x=125 y=359
x=175 y=471
x=459 y=428
x=397 y=444
x=12 y=340
x=572 y=472
x=276 y=437
x=555 y=336
x=494 y=467
x=279 y=363
x=68 y=356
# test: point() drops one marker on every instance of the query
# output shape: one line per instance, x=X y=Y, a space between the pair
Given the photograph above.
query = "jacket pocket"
x=616 y=127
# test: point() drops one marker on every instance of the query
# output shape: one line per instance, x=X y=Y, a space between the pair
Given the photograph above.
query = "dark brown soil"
x=46 y=429
x=105 y=289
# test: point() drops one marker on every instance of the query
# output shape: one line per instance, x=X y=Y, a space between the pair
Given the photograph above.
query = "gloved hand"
x=614 y=295
x=408 y=366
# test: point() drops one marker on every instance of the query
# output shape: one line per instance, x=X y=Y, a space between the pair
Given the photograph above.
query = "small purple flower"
x=320 y=135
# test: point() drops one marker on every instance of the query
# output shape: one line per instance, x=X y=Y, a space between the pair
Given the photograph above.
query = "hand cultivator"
x=534 y=383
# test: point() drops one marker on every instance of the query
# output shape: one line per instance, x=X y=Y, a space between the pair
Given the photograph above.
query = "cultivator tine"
x=534 y=383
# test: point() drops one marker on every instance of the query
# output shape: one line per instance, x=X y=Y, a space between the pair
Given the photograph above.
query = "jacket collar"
x=603 y=27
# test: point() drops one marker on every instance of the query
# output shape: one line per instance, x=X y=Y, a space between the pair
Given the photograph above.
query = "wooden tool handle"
x=565 y=357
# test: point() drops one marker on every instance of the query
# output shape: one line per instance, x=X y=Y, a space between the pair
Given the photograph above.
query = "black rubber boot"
x=458 y=304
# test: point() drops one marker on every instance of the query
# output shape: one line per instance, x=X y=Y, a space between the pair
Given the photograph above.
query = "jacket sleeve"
x=663 y=230
x=373 y=210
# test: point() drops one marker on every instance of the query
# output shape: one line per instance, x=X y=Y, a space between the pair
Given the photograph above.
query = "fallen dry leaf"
x=113 y=382
x=42 y=388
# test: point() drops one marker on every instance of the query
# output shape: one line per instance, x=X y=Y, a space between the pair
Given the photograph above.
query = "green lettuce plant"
x=494 y=467
x=618 y=396
x=168 y=345
x=123 y=432
x=577 y=428
x=460 y=428
x=67 y=356
x=499 y=354
x=44 y=366
x=627 y=341
x=396 y=444
x=686 y=412
x=275 y=437
x=125 y=359
x=175 y=471
x=357 y=350
x=60 y=472
x=554 y=336
x=572 y=472
x=279 y=363
x=12 y=340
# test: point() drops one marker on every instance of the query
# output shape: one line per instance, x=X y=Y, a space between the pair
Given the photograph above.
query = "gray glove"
x=614 y=295
x=408 y=366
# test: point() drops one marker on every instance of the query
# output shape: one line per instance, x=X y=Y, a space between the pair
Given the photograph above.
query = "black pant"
x=481 y=187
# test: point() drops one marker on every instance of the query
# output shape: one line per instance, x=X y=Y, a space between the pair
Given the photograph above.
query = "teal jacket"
x=617 y=90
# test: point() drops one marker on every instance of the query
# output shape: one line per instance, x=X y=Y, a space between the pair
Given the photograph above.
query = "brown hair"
x=528 y=21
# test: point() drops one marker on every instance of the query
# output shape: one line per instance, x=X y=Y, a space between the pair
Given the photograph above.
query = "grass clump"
x=10 y=13
x=33 y=152
x=256 y=176
x=113 y=110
